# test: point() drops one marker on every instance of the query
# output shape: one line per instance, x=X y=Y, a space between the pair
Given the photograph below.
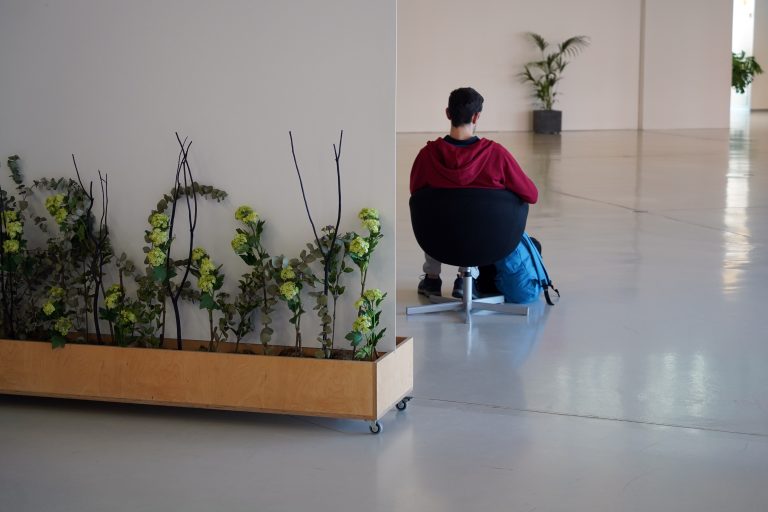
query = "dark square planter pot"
x=547 y=121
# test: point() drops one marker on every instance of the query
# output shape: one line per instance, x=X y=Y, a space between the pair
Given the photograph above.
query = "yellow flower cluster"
x=240 y=243
x=289 y=290
x=56 y=293
x=156 y=257
x=159 y=221
x=158 y=237
x=287 y=274
x=63 y=325
x=11 y=225
x=55 y=206
x=207 y=279
x=368 y=213
x=206 y=283
x=11 y=246
x=359 y=246
x=113 y=296
x=127 y=317
x=373 y=294
x=49 y=308
x=198 y=253
x=372 y=225
x=362 y=324
x=207 y=266
x=246 y=214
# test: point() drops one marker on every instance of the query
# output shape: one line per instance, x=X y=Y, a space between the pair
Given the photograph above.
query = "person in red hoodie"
x=463 y=160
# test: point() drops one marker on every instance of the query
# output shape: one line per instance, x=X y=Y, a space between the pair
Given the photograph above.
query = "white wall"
x=760 y=85
x=687 y=72
x=443 y=44
x=111 y=81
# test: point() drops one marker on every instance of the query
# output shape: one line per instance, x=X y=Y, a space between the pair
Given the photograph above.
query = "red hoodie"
x=484 y=164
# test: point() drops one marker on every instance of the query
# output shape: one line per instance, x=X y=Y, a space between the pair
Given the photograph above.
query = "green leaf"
x=58 y=341
x=207 y=302
x=159 y=274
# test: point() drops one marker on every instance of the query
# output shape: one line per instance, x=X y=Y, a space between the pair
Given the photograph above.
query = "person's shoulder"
x=495 y=146
x=432 y=145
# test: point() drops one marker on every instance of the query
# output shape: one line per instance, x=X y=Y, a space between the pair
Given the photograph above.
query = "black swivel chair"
x=467 y=227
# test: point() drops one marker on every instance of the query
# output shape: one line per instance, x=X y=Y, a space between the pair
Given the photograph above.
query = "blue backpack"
x=521 y=276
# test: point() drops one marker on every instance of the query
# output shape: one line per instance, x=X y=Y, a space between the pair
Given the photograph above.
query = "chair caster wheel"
x=375 y=427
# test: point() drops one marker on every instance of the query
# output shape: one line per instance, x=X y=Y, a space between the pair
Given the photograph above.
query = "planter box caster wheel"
x=375 y=427
x=402 y=404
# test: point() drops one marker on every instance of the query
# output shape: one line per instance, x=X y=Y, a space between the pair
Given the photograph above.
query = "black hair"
x=463 y=103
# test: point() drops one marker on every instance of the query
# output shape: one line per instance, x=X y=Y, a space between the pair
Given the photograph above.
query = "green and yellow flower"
x=156 y=257
x=372 y=225
x=240 y=243
x=373 y=294
x=369 y=213
x=49 y=308
x=206 y=282
x=359 y=303
x=127 y=317
x=159 y=221
x=287 y=274
x=63 y=325
x=9 y=216
x=11 y=246
x=359 y=246
x=61 y=215
x=54 y=203
x=14 y=229
x=56 y=293
x=198 y=254
x=289 y=290
x=246 y=214
x=362 y=325
x=158 y=236
x=112 y=300
x=206 y=266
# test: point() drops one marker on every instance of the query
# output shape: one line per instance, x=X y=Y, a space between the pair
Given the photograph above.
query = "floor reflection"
x=737 y=245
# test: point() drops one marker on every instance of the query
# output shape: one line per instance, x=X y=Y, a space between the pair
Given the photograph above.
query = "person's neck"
x=463 y=132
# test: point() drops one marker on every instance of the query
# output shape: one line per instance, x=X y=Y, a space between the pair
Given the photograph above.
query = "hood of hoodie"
x=459 y=164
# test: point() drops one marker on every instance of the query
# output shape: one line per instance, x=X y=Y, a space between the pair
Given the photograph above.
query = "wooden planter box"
x=363 y=390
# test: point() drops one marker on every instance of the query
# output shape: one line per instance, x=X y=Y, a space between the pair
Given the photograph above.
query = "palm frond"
x=539 y=41
x=573 y=45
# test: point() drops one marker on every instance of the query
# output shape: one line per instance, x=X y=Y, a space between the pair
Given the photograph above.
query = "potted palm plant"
x=544 y=74
x=743 y=71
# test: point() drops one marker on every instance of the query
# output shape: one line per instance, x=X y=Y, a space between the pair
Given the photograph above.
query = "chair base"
x=467 y=304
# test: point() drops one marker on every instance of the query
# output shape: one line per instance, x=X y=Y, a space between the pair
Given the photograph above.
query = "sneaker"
x=430 y=286
x=458 y=289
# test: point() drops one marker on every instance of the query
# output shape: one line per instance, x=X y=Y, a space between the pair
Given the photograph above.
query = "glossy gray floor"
x=645 y=388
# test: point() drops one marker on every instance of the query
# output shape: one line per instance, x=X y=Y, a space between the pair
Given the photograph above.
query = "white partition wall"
x=760 y=85
x=687 y=73
x=111 y=81
x=679 y=79
x=444 y=44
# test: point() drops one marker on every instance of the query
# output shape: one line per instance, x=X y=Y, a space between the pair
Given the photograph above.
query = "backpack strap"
x=545 y=281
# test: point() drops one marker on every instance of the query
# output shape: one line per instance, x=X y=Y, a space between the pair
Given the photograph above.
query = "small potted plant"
x=544 y=74
x=743 y=71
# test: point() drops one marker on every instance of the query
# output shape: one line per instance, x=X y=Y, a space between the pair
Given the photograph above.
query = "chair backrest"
x=467 y=227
